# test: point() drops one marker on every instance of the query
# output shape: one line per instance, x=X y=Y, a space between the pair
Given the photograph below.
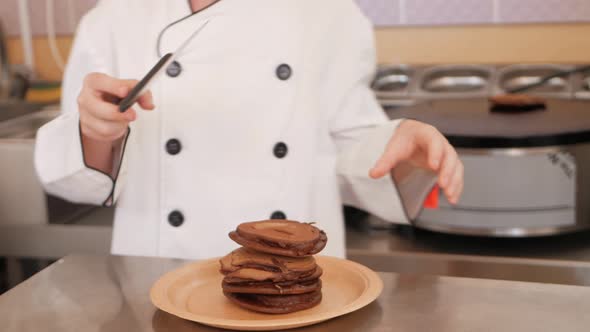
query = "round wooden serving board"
x=193 y=292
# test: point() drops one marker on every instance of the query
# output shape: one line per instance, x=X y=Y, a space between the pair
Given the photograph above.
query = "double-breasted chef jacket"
x=268 y=113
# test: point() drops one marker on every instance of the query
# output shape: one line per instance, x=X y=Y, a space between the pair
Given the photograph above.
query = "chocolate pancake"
x=274 y=288
x=280 y=237
x=244 y=258
x=250 y=276
x=276 y=304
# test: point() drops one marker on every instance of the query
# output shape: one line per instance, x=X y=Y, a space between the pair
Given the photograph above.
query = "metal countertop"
x=563 y=259
x=573 y=247
x=110 y=293
x=97 y=226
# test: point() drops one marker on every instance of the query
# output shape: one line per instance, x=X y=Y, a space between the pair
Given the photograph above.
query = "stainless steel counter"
x=405 y=239
x=563 y=259
x=94 y=231
x=110 y=293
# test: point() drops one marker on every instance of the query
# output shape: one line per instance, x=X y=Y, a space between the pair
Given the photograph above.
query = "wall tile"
x=381 y=12
x=522 y=11
x=449 y=11
x=10 y=19
x=61 y=22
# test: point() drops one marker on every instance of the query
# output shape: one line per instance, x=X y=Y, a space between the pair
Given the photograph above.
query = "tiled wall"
x=382 y=12
x=451 y=12
x=448 y=11
x=551 y=10
x=10 y=20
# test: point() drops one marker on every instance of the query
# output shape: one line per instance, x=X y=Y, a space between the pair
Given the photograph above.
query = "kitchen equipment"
x=12 y=84
x=546 y=80
x=394 y=84
x=393 y=81
x=582 y=85
x=542 y=81
x=404 y=85
x=526 y=174
x=450 y=81
x=194 y=292
x=24 y=201
x=4 y=71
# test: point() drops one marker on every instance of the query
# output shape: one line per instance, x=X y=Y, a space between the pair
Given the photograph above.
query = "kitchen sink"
x=22 y=198
x=10 y=109
x=26 y=126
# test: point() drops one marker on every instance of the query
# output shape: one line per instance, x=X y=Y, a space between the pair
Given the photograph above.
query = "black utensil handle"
x=133 y=95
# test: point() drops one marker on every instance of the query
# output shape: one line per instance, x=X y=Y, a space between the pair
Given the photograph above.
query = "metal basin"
x=26 y=126
x=582 y=86
x=456 y=81
x=392 y=80
x=12 y=108
x=394 y=84
x=517 y=76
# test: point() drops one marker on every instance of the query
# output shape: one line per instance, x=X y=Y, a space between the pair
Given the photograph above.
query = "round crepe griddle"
x=471 y=123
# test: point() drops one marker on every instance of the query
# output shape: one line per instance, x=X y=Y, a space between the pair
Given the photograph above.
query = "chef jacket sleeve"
x=361 y=131
x=59 y=159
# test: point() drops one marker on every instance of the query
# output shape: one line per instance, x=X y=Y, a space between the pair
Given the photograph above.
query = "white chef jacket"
x=261 y=73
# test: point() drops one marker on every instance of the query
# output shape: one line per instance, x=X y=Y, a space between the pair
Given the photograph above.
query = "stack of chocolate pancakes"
x=274 y=272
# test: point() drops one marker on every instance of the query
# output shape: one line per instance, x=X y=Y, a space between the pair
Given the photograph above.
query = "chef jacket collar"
x=173 y=36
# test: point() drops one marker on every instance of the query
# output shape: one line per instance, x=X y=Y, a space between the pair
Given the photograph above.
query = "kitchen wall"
x=480 y=31
x=67 y=14
x=449 y=12
x=407 y=31
x=556 y=43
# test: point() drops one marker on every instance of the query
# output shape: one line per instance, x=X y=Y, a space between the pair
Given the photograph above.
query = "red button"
x=431 y=201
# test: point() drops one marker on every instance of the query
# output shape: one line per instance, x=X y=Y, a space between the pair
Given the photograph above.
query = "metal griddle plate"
x=470 y=124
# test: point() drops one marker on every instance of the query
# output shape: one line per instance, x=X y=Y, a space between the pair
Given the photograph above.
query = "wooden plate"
x=193 y=292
